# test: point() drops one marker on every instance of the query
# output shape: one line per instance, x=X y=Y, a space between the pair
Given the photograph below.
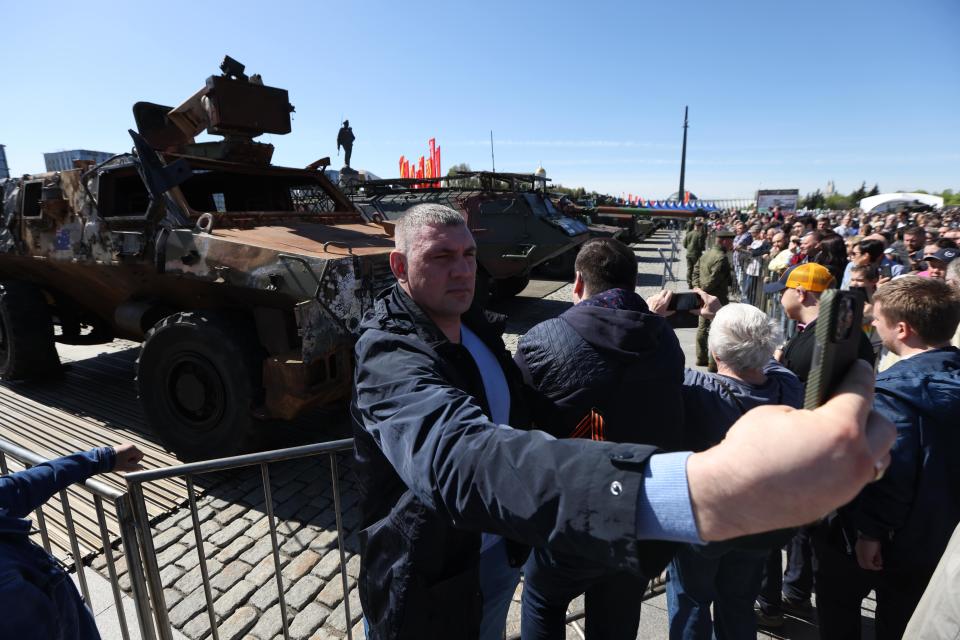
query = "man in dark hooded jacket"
x=599 y=364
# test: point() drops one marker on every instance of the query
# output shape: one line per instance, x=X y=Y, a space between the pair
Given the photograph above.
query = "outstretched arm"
x=23 y=491
x=780 y=467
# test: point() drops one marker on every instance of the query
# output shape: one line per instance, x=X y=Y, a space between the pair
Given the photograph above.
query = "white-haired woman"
x=742 y=340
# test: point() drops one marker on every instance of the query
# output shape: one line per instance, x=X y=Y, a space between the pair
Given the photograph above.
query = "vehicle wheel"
x=509 y=287
x=198 y=378
x=562 y=266
x=27 y=349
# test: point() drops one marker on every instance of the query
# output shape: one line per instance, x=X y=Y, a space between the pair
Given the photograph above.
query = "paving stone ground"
x=236 y=532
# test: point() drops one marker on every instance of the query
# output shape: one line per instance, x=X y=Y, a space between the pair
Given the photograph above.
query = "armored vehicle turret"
x=243 y=280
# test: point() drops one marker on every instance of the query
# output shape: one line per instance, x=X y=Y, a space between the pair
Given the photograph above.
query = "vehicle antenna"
x=492 y=160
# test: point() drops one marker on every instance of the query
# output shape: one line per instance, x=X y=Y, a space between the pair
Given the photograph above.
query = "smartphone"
x=886 y=271
x=837 y=343
x=685 y=301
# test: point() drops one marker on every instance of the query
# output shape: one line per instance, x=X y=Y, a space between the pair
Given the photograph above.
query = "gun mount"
x=231 y=105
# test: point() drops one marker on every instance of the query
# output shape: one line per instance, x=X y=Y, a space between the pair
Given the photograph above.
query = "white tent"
x=893 y=201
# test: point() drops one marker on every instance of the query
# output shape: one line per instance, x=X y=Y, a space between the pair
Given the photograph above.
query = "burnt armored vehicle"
x=515 y=225
x=243 y=280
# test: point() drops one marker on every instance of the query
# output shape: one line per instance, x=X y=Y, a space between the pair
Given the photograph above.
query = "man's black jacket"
x=626 y=364
x=434 y=472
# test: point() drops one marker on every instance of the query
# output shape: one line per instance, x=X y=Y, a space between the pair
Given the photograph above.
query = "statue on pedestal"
x=345 y=139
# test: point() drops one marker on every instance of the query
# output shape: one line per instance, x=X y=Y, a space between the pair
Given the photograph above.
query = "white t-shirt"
x=496 y=389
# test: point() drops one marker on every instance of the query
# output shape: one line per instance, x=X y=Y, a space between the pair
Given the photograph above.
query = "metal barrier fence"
x=156 y=601
x=100 y=493
x=673 y=236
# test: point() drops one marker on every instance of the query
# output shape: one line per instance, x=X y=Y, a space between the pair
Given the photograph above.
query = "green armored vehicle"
x=515 y=225
x=243 y=280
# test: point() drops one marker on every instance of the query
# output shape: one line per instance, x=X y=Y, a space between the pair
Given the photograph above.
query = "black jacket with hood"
x=623 y=364
x=626 y=364
x=434 y=472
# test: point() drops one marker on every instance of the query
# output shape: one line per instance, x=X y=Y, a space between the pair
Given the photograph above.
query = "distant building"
x=4 y=167
x=831 y=188
x=63 y=160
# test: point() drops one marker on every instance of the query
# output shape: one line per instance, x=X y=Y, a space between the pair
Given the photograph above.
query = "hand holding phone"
x=686 y=301
x=837 y=343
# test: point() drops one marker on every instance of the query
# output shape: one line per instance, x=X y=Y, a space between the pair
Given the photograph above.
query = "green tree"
x=875 y=191
x=462 y=183
x=814 y=200
x=463 y=167
x=838 y=201
x=950 y=199
x=859 y=194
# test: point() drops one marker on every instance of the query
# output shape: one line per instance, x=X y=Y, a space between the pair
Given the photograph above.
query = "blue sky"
x=781 y=94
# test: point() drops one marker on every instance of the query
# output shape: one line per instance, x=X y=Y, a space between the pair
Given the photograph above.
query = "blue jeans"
x=550 y=582
x=730 y=581
x=498 y=583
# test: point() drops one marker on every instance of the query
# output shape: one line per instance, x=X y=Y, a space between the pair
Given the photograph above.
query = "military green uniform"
x=714 y=274
x=694 y=241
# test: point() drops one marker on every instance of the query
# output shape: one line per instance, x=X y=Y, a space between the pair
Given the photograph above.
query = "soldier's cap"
x=811 y=276
x=725 y=233
x=944 y=254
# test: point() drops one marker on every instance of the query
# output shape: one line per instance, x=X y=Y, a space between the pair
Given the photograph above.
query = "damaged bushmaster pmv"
x=243 y=280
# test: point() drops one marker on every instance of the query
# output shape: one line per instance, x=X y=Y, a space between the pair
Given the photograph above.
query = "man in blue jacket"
x=37 y=597
x=899 y=526
x=435 y=471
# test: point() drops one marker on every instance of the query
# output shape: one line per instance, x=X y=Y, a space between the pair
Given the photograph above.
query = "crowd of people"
x=905 y=265
x=593 y=459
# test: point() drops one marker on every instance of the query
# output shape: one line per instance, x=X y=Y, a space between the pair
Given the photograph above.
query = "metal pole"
x=151 y=570
x=493 y=161
x=343 y=559
x=138 y=584
x=75 y=548
x=42 y=525
x=265 y=475
x=683 y=156
x=111 y=568
x=667 y=270
x=198 y=537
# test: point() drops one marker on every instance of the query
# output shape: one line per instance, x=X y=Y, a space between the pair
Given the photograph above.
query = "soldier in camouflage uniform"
x=694 y=241
x=714 y=274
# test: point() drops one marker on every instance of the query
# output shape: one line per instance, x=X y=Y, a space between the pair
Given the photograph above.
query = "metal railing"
x=188 y=471
x=100 y=492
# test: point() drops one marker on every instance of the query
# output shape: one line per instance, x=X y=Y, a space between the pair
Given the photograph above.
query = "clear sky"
x=781 y=94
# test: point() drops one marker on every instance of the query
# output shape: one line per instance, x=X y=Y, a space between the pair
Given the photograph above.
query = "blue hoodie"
x=916 y=505
x=37 y=598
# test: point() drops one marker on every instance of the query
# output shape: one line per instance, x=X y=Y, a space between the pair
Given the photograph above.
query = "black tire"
x=561 y=266
x=509 y=287
x=199 y=378
x=27 y=349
